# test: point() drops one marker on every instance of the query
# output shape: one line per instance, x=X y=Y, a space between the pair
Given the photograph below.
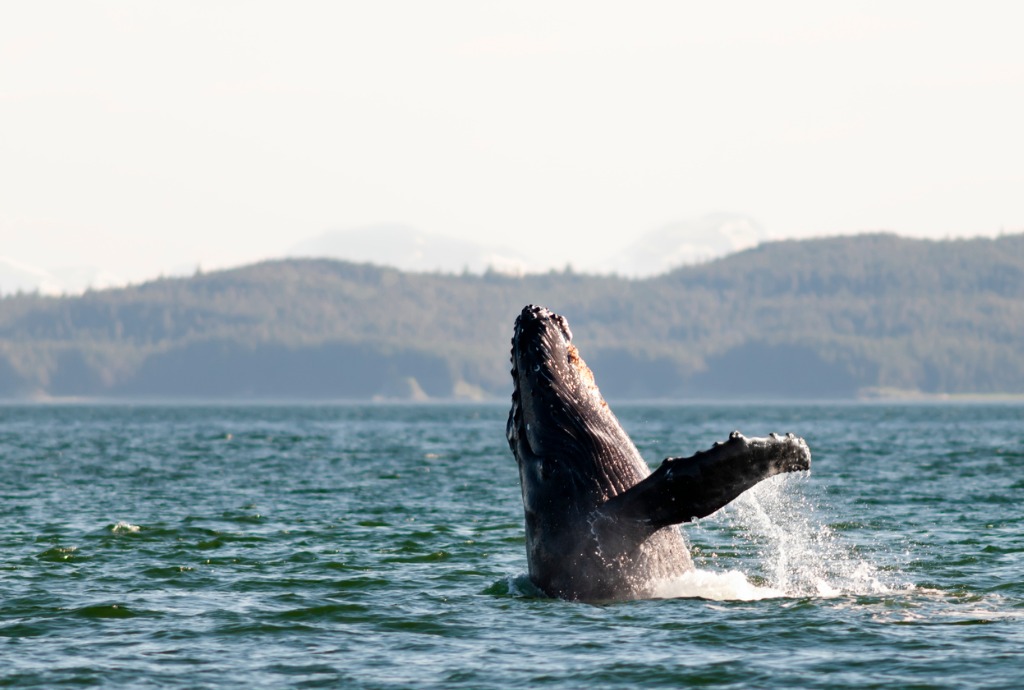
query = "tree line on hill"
x=824 y=318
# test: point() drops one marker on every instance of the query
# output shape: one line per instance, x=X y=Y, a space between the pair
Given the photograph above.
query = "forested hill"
x=816 y=318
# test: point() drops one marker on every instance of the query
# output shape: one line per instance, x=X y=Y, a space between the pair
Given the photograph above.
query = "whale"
x=600 y=525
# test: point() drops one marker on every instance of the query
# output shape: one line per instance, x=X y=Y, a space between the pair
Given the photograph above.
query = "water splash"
x=783 y=546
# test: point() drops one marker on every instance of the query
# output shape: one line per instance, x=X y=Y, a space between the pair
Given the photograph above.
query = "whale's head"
x=566 y=440
x=554 y=392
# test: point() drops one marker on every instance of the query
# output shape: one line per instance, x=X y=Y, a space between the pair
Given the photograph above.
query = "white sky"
x=144 y=137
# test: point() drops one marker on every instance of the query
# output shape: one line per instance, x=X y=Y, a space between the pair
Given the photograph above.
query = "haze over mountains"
x=653 y=253
x=839 y=317
x=685 y=243
x=16 y=276
x=411 y=249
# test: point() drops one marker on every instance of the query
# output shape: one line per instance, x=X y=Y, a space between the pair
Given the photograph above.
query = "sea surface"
x=381 y=546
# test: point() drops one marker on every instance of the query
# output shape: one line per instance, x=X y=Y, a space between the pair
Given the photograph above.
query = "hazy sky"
x=143 y=137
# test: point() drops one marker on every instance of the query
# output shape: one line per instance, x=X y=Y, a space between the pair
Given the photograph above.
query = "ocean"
x=381 y=546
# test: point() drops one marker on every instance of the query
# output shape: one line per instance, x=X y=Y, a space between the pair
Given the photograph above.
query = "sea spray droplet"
x=799 y=554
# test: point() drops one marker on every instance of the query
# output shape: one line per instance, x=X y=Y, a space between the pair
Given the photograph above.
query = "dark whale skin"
x=599 y=525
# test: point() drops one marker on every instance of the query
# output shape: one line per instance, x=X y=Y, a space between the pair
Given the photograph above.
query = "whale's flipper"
x=684 y=489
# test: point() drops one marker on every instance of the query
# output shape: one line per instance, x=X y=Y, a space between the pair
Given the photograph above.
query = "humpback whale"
x=600 y=526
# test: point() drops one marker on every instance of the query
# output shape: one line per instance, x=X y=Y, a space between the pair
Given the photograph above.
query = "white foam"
x=705 y=584
x=123 y=527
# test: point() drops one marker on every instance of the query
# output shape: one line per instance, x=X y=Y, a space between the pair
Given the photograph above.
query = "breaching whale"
x=599 y=525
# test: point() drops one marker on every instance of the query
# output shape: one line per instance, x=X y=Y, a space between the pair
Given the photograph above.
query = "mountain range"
x=838 y=317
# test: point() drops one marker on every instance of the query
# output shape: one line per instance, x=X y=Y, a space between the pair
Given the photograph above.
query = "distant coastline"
x=852 y=318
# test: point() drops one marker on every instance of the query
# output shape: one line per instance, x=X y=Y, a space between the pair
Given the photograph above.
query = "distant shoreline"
x=897 y=395
x=887 y=397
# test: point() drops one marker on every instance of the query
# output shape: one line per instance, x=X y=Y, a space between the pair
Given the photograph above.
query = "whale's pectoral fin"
x=684 y=489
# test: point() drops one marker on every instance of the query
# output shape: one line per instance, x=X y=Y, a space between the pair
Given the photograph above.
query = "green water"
x=382 y=547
